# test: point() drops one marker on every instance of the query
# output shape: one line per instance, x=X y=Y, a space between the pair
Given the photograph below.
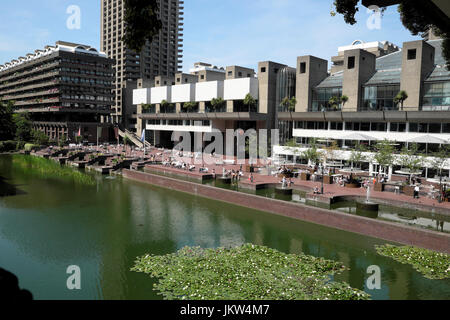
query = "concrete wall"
x=267 y=79
x=354 y=78
x=236 y=72
x=206 y=91
x=158 y=94
x=183 y=78
x=369 y=227
x=314 y=72
x=414 y=71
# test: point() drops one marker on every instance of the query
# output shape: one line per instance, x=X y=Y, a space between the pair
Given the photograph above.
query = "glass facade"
x=436 y=96
x=321 y=99
x=286 y=85
x=379 y=98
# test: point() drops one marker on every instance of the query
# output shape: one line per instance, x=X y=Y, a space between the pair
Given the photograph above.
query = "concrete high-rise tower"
x=162 y=57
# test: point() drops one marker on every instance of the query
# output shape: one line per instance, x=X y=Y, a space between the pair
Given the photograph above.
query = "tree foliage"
x=23 y=126
x=217 y=104
x=250 y=102
x=39 y=137
x=289 y=103
x=357 y=155
x=385 y=154
x=142 y=23
x=400 y=98
x=410 y=158
x=348 y=8
x=7 y=126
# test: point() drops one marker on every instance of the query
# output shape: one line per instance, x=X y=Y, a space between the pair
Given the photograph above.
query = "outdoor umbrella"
x=358 y=137
x=427 y=139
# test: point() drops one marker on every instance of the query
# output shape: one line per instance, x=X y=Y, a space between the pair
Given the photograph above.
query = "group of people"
x=284 y=170
x=234 y=174
x=286 y=183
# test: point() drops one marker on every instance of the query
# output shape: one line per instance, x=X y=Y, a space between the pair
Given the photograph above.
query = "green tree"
x=289 y=103
x=23 y=127
x=7 y=126
x=250 y=102
x=39 y=137
x=312 y=154
x=190 y=106
x=439 y=162
x=385 y=154
x=357 y=155
x=344 y=100
x=400 y=98
x=217 y=104
x=334 y=103
x=142 y=23
x=165 y=105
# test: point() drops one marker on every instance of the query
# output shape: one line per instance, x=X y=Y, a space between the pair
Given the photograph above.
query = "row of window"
x=375 y=126
x=204 y=123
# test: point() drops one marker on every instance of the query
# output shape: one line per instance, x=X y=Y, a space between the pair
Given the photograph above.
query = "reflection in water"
x=104 y=228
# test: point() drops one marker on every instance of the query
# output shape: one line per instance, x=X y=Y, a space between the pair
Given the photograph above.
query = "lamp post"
x=321 y=171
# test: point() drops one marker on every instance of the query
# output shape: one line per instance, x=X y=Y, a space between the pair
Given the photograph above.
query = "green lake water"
x=51 y=224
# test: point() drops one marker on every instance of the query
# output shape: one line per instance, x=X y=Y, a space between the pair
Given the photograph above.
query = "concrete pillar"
x=359 y=66
x=201 y=107
x=310 y=72
x=230 y=106
x=417 y=63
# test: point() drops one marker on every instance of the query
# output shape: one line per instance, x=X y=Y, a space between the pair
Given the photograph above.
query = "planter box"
x=327 y=179
x=353 y=185
x=408 y=190
x=305 y=176
x=379 y=187
x=249 y=169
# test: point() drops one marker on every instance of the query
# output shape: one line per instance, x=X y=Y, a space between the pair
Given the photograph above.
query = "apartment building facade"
x=162 y=57
x=65 y=88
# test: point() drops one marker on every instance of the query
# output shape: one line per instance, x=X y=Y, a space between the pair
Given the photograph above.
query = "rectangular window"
x=413 y=127
x=434 y=128
x=412 y=53
x=351 y=62
x=349 y=126
x=263 y=69
x=303 y=67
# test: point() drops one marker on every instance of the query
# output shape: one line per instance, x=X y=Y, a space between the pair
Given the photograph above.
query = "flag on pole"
x=99 y=131
x=143 y=136
x=79 y=132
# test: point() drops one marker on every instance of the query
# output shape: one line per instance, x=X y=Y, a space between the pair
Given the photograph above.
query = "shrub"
x=6 y=146
x=30 y=146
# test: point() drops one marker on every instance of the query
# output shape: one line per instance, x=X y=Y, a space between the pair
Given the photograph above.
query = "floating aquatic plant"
x=249 y=272
x=433 y=265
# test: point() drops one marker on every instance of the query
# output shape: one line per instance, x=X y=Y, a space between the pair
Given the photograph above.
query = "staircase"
x=134 y=138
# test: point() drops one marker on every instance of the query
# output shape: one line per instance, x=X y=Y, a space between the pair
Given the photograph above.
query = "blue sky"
x=227 y=32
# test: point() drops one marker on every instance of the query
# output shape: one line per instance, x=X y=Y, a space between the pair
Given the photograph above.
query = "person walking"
x=416 y=192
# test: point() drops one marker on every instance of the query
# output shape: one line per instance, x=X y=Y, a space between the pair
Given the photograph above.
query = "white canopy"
x=428 y=139
x=358 y=137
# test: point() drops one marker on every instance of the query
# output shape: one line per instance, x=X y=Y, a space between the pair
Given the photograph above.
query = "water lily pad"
x=248 y=272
